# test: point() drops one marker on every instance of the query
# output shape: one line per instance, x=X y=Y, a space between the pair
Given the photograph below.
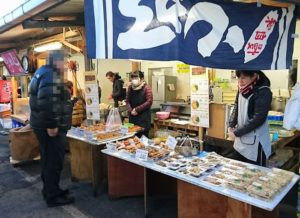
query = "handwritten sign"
x=111 y=147
x=171 y=142
x=124 y=130
x=141 y=154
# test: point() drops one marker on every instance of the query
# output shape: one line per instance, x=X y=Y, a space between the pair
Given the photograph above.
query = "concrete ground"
x=20 y=196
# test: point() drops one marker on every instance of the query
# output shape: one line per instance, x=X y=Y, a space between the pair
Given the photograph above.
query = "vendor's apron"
x=247 y=145
x=143 y=119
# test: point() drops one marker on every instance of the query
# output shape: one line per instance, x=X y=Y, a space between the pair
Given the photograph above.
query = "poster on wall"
x=5 y=91
x=199 y=98
x=12 y=63
x=91 y=96
x=210 y=33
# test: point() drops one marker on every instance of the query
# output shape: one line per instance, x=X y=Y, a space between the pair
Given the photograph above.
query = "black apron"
x=143 y=119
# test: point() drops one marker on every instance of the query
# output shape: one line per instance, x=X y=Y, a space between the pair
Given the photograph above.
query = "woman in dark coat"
x=118 y=92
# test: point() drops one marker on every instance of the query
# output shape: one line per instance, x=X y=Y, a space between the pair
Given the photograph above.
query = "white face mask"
x=135 y=82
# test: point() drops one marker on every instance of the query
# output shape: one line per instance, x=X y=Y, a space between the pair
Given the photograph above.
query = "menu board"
x=199 y=98
x=91 y=96
x=12 y=63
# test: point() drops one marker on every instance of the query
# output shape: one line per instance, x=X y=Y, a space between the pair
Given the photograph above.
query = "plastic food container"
x=162 y=115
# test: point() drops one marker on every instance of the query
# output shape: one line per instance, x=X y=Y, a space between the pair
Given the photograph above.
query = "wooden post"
x=75 y=82
x=135 y=66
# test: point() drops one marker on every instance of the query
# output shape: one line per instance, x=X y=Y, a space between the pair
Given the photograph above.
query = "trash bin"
x=23 y=144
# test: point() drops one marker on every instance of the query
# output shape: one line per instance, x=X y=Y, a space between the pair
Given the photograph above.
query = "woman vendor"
x=138 y=102
x=248 y=125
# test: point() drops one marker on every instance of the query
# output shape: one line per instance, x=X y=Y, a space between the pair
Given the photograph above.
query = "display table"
x=192 y=192
x=87 y=161
x=168 y=123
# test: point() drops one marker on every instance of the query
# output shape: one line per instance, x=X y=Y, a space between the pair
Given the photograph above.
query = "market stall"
x=241 y=190
x=85 y=145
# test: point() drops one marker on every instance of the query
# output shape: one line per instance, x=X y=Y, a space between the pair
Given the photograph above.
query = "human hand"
x=52 y=132
x=109 y=97
x=133 y=112
x=231 y=134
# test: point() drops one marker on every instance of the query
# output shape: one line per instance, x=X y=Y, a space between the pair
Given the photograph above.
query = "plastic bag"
x=113 y=120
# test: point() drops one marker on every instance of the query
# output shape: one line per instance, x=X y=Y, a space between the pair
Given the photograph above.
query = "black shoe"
x=60 y=201
x=62 y=192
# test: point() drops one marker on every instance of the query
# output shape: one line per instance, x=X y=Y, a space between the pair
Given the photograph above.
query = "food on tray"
x=196 y=171
x=236 y=183
x=218 y=175
x=259 y=190
x=161 y=163
x=237 y=163
x=154 y=153
x=183 y=170
x=134 y=128
x=213 y=180
x=174 y=166
x=130 y=144
x=107 y=135
x=96 y=127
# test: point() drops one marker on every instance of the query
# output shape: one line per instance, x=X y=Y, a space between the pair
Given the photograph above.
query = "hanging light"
x=48 y=47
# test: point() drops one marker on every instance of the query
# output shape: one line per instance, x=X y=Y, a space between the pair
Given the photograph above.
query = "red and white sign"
x=5 y=91
x=12 y=63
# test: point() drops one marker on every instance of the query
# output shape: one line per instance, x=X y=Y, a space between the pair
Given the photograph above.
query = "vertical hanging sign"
x=91 y=96
x=199 y=97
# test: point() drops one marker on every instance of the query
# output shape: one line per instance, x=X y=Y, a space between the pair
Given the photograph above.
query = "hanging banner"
x=226 y=35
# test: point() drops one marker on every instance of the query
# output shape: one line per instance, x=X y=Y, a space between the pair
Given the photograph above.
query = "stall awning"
x=211 y=33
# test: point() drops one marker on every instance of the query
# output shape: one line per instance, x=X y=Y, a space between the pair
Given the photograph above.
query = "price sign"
x=124 y=130
x=141 y=154
x=144 y=140
x=171 y=142
x=111 y=147
x=131 y=142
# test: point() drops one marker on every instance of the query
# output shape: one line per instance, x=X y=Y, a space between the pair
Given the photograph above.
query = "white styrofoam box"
x=6 y=123
x=4 y=107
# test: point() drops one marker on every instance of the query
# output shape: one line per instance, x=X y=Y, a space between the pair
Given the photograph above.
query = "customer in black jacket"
x=118 y=92
x=248 y=124
x=51 y=115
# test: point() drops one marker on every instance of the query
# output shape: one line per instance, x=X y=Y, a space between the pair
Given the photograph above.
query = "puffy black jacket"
x=259 y=105
x=50 y=102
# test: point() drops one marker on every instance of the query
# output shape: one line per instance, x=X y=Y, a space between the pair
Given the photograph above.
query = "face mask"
x=135 y=82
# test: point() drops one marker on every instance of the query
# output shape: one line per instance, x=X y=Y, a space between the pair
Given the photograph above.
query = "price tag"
x=141 y=154
x=111 y=147
x=144 y=140
x=131 y=142
x=124 y=130
x=171 y=142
